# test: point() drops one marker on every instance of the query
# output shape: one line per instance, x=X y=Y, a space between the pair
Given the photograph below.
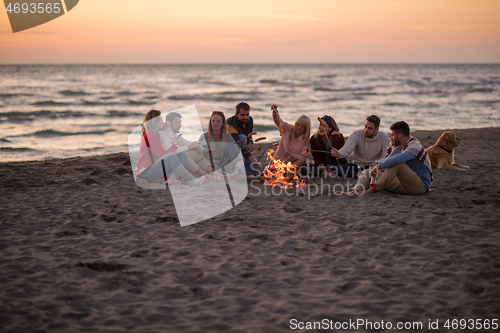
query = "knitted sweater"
x=363 y=151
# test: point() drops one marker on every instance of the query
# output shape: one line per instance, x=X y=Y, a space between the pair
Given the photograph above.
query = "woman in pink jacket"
x=294 y=138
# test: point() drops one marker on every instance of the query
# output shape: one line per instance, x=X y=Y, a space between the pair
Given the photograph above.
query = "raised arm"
x=276 y=115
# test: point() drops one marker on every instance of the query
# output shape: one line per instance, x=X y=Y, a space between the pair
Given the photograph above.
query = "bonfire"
x=281 y=174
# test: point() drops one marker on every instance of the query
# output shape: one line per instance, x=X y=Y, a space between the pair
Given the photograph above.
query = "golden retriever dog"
x=442 y=153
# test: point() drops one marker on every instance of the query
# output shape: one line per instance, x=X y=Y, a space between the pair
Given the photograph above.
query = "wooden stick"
x=273 y=144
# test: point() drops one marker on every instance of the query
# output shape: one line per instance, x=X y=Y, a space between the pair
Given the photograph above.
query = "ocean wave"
x=32 y=115
x=4 y=140
x=324 y=89
x=129 y=102
x=233 y=93
x=492 y=80
x=270 y=81
x=12 y=95
x=395 y=104
x=328 y=76
x=73 y=93
x=218 y=97
x=17 y=116
x=14 y=149
x=93 y=148
x=485 y=102
x=53 y=133
x=288 y=84
x=455 y=83
x=419 y=92
x=114 y=114
x=343 y=89
x=217 y=83
x=336 y=99
x=264 y=128
x=50 y=103
x=481 y=90
x=92 y=103
x=427 y=105
x=368 y=94
x=414 y=83
x=126 y=93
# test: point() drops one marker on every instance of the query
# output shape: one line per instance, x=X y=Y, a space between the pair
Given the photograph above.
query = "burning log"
x=277 y=173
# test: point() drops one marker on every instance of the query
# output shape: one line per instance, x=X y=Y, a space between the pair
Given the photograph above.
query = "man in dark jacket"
x=239 y=126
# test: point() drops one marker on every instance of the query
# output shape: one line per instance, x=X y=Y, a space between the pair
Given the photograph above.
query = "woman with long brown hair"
x=154 y=161
x=327 y=136
x=222 y=146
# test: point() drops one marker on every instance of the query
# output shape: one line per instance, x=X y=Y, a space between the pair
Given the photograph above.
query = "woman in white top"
x=222 y=147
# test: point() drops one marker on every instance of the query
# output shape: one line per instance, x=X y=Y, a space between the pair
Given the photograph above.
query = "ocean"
x=59 y=111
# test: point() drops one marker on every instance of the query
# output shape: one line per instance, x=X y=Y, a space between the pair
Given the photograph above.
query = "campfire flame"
x=277 y=173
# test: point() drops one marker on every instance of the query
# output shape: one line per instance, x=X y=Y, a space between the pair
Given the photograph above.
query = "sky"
x=258 y=31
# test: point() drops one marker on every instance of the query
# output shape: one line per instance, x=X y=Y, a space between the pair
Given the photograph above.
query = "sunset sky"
x=271 y=31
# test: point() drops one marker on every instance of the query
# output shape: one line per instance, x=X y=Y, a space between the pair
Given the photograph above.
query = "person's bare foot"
x=343 y=193
x=354 y=192
x=371 y=190
x=331 y=174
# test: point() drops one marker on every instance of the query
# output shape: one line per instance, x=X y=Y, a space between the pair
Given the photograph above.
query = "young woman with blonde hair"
x=294 y=138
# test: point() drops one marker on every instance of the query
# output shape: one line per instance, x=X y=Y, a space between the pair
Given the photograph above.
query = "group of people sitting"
x=396 y=163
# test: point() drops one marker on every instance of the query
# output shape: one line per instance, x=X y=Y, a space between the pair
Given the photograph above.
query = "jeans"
x=349 y=170
x=330 y=160
x=171 y=162
x=249 y=168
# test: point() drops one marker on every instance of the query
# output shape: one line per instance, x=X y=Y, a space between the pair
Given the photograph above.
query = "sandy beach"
x=84 y=249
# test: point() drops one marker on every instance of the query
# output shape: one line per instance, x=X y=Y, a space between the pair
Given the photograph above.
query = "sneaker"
x=197 y=181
